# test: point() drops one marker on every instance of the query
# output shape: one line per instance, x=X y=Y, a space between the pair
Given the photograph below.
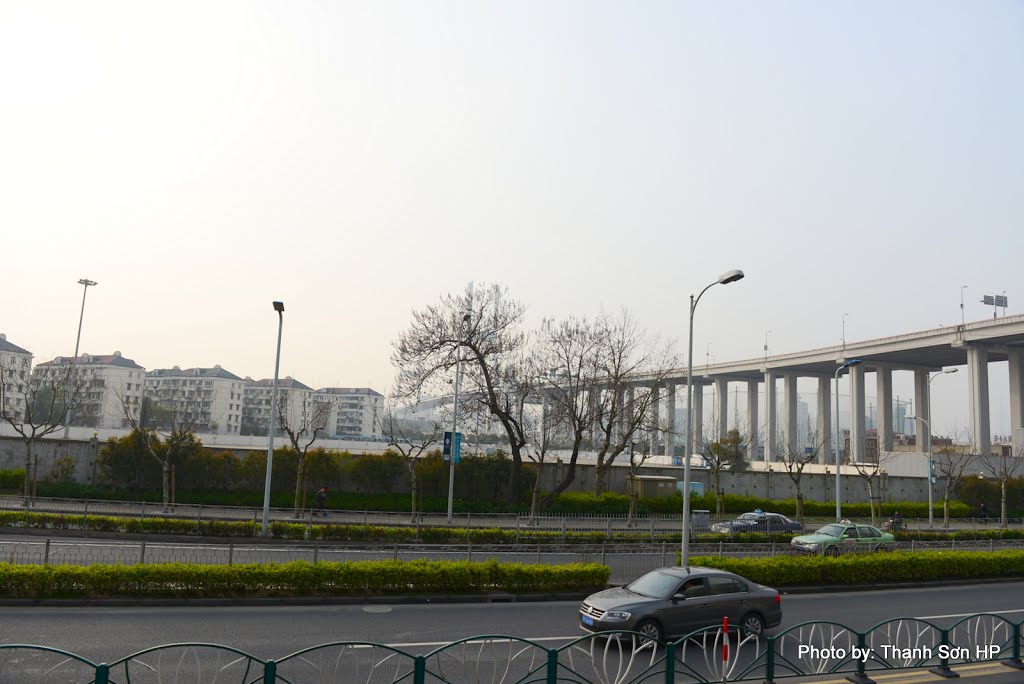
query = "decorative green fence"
x=708 y=655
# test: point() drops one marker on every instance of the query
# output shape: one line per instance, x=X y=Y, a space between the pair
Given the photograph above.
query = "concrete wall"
x=771 y=485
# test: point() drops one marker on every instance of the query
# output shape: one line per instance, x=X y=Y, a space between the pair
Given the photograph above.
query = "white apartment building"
x=354 y=411
x=15 y=366
x=205 y=399
x=109 y=382
x=295 y=402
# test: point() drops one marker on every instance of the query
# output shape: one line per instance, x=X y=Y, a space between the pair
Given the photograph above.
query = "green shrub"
x=298 y=578
x=871 y=569
x=12 y=479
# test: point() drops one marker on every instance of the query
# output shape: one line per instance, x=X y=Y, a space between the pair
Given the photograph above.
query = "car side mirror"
x=678 y=597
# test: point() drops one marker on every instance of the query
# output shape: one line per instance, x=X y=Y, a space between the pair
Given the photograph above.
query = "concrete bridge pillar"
x=1016 y=363
x=770 y=436
x=722 y=408
x=977 y=371
x=857 y=423
x=655 y=421
x=922 y=409
x=753 y=429
x=789 y=429
x=670 y=419
x=824 y=442
x=698 y=419
x=883 y=384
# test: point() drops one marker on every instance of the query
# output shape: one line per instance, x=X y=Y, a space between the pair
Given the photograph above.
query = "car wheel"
x=650 y=629
x=832 y=551
x=753 y=623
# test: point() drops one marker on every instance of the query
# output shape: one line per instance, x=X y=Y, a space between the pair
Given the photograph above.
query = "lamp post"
x=839 y=496
x=724 y=279
x=963 y=316
x=928 y=454
x=928 y=441
x=455 y=417
x=85 y=283
x=279 y=308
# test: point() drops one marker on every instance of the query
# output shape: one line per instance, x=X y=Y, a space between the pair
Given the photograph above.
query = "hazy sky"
x=359 y=159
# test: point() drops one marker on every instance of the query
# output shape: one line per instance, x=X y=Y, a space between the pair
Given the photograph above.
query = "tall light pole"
x=928 y=453
x=963 y=317
x=455 y=416
x=279 y=308
x=85 y=283
x=724 y=279
x=839 y=460
x=926 y=442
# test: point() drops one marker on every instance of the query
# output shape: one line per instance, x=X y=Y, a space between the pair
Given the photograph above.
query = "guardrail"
x=714 y=654
x=652 y=525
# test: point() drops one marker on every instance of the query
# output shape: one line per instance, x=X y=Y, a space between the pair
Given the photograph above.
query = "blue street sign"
x=446 y=451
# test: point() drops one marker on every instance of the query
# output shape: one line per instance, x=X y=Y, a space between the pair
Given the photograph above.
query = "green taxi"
x=842 y=537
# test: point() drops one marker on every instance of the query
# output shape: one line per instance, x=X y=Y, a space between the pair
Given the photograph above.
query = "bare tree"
x=727 y=453
x=482 y=333
x=871 y=474
x=50 y=397
x=165 y=439
x=639 y=453
x=412 y=438
x=633 y=369
x=951 y=462
x=301 y=424
x=568 y=359
x=795 y=460
x=1003 y=468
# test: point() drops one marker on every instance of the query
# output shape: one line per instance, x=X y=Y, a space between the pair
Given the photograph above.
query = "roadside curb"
x=495 y=597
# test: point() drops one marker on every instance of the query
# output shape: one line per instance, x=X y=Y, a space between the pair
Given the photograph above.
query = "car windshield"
x=655 y=584
x=748 y=516
x=832 y=530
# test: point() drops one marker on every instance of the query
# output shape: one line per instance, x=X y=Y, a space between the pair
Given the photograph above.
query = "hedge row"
x=298 y=578
x=873 y=569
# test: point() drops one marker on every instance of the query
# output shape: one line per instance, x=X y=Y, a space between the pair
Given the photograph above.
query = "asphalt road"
x=106 y=633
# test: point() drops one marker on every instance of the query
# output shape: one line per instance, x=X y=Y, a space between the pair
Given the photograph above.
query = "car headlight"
x=616 y=615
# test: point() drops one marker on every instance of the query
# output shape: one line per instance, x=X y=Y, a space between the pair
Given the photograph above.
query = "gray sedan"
x=672 y=602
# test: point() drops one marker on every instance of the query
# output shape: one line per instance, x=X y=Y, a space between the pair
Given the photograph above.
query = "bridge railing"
x=713 y=654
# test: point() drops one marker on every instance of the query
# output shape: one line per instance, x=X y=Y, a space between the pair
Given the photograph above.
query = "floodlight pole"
x=684 y=558
x=85 y=283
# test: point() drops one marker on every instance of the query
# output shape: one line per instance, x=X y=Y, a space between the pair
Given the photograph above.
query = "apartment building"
x=202 y=399
x=109 y=382
x=353 y=412
x=295 y=402
x=15 y=366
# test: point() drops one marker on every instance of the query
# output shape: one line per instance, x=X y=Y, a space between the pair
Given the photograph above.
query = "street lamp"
x=839 y=499
x=279 y=308
x=85 y=283
x=928 y=441
x=724 y=279
x=928 y=453
x=455 y=417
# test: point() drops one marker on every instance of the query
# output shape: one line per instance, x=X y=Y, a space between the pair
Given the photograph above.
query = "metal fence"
x=652 y=526
x=714 y=654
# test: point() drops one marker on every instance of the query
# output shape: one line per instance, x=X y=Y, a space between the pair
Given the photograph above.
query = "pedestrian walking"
x=321 y=499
